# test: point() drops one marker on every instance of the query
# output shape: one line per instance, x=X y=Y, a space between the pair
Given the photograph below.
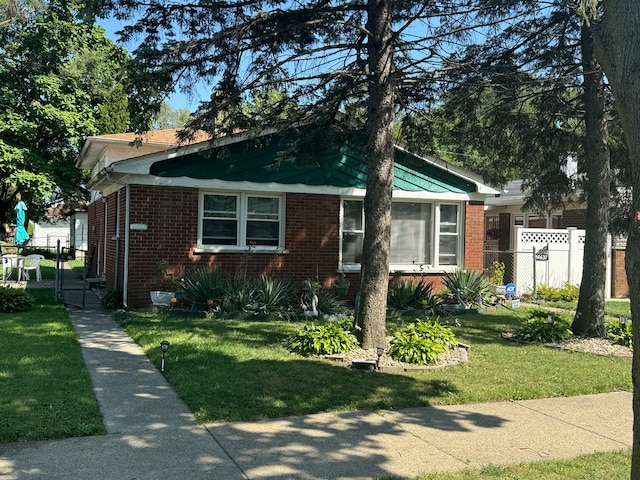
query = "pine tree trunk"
x=589 y=318
x=372 y=307
x=618 y=37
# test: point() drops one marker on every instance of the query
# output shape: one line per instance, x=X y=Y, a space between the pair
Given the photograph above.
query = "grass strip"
x=46 y=392
x=597 y=466
x=228 y=370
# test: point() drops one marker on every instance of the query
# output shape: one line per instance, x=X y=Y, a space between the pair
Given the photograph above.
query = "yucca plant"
x=274 y=297
x=240 y=296
x=467 y=286
x=329 y=303
x=406 y=294
x=203 y=285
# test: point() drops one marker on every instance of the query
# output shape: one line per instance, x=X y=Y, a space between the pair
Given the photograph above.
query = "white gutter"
x=127 y=208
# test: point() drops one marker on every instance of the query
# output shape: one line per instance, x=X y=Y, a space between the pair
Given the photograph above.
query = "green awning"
x=268 y=162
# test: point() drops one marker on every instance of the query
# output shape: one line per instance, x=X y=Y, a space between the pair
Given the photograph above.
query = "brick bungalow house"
x=239 y=204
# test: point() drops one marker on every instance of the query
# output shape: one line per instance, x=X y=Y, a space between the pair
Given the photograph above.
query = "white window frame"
x=435 y=244
x=242 y=219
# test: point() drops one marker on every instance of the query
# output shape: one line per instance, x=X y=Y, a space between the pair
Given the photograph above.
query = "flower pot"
x=342 y=291
x=161 y=298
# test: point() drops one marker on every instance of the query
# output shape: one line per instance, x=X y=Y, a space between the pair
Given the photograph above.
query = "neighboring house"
x=504 y=214
x=241 y=205
x=72 y=232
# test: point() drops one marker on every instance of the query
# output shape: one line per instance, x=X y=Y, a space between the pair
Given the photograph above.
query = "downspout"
x=116 y=279
x=125 y=280
x=102 y=266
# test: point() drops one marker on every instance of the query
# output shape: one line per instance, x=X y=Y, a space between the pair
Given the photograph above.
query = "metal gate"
x=73 y=281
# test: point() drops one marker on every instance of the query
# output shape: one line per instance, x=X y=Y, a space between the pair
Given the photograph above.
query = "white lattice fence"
x=565 y=252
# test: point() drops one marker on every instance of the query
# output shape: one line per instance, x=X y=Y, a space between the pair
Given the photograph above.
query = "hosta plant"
x=422 y=342
x=324 y=338
x=544 y=327
x=621 y=332
x=15 y=300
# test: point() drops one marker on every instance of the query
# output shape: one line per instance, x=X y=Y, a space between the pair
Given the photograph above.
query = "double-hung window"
x=241 y=220
x=423 y=234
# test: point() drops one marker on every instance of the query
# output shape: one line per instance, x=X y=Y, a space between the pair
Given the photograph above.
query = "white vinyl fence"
x=551 y=257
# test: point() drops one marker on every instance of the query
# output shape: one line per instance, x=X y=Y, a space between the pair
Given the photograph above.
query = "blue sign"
x=510 y=289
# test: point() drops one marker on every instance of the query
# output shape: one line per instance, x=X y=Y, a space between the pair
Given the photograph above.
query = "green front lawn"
x=45 y=388
x=228 y=370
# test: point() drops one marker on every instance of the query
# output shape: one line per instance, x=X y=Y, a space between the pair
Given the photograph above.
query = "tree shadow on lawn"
x=221 y=388
x=485 y=329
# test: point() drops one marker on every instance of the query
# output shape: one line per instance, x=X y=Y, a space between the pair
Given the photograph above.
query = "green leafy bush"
x=497 y=277
x=621 y=332
x=422 y=342
x=544 y=327
x=112 y=299
x=327 y=338
x=467 y=286
x=568 y=293
x=406 y=294
x=15 y=300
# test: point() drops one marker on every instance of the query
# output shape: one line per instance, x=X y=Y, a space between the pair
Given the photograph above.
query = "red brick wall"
x=619 y=285
x=170 y=215
x=474 y=233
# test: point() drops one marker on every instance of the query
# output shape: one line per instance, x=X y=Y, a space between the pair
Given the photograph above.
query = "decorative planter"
x=498 y=289
x=161 y=298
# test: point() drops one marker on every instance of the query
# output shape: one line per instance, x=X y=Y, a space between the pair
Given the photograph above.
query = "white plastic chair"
x=32 y=262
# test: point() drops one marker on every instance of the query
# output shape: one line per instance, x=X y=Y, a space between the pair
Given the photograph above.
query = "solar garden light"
x=380 y=352
x=164 y=346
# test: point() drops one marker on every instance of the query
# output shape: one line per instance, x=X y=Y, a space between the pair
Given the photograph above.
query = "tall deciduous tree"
x=373 y=55
x=618 y=49
x=57 y=75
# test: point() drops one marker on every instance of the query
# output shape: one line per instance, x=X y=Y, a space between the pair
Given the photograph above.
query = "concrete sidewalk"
x=152 y=434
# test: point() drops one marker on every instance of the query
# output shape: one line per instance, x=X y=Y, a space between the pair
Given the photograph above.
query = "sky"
x=176 y=100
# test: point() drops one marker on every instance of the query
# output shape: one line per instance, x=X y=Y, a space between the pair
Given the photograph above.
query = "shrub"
x=568 y=293
x=621 y=332
x=544 y=327
x=406 y=294
x=468 y=286
x=499 y=269
x=421 y=342
x=15 y=300
x=328 y=338
x=112 y=299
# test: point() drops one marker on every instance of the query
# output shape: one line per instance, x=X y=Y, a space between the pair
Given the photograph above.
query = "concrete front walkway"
x=153 y=435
